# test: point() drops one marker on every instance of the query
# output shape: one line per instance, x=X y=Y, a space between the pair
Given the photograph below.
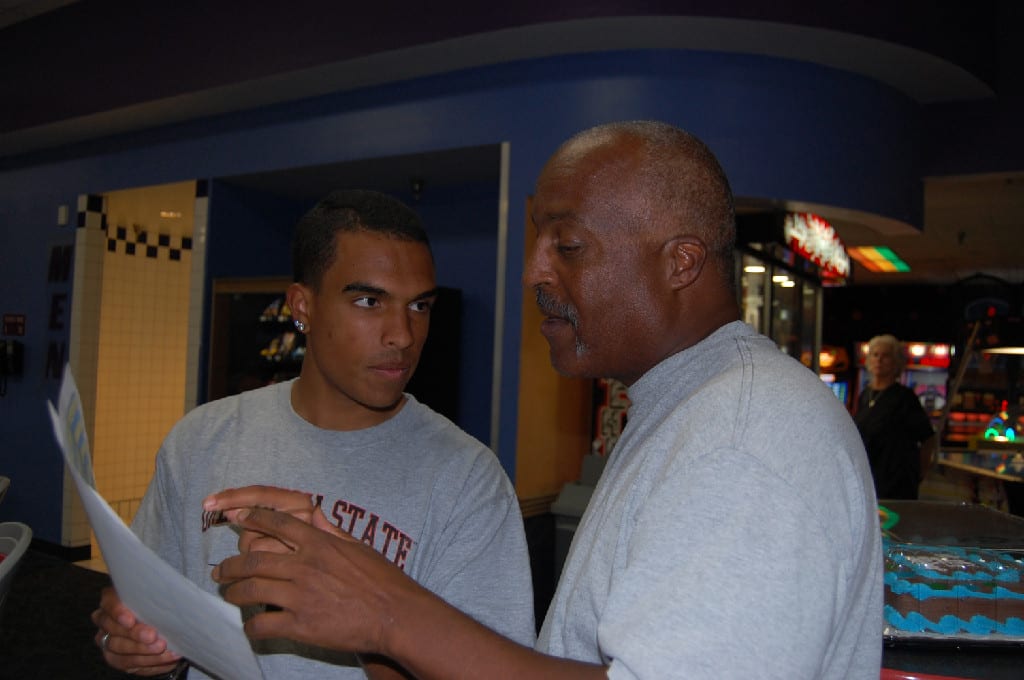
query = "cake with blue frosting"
x=953 y=591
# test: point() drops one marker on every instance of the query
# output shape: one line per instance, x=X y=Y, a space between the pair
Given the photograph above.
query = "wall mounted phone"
x=12 y=361
x=12 y=357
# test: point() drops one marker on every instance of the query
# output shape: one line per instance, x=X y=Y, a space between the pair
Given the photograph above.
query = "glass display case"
x=783 y=305
x=785 y=259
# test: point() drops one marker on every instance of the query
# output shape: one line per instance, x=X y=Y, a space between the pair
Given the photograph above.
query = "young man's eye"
x=421 y=305
x=366 y=301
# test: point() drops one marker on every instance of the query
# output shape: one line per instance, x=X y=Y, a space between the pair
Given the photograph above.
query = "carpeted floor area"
x=45 y=631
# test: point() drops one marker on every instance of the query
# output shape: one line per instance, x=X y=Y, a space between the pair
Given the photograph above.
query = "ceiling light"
x=878 y=259
x=1001 y=335
x=780 y=278
x=998 y=335
x=1018 y=350
x=754 y=269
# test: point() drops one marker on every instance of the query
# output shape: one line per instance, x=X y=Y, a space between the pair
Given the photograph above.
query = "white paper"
x=201 y=627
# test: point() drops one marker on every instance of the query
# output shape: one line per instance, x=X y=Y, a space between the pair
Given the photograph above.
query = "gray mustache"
x=549 y=306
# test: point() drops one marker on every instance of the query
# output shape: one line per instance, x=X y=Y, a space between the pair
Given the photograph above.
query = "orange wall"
x=554 y=425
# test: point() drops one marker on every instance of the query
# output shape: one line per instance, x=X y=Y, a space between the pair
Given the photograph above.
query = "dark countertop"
x=1004 y=662
x=45 y=630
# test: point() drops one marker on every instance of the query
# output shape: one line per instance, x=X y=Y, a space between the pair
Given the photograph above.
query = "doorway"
x=135 y=331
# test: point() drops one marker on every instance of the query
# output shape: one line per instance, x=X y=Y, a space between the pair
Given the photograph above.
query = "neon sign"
x=813 y=238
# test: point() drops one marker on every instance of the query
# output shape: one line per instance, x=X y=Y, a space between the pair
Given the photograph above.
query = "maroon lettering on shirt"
x=212 y=518
x=391 y=542
x=390 y=532
x=402 y=551
x=370 y=532
x=343 y=508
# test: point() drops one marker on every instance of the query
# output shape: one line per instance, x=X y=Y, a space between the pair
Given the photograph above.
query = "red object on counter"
x=893 y=674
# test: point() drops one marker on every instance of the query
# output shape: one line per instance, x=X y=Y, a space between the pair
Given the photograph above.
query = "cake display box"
x=954 y=572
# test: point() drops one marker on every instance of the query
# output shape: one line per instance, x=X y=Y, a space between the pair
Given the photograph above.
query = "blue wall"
x=249 y=235
x=782 y=129
x=28 y=454
x=463 y=226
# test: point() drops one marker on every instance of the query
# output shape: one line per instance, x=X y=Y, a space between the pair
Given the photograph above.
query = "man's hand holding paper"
x=195 y=624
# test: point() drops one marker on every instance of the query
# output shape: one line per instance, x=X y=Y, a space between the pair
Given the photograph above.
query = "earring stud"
x=299 y=326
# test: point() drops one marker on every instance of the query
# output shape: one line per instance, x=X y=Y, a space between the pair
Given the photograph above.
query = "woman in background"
x=897 y=432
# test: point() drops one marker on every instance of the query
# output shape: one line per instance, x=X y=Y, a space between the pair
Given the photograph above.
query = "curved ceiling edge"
x=922 y=77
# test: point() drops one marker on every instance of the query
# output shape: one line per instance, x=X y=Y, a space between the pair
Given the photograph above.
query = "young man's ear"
x=686 y=257
x=300 y=299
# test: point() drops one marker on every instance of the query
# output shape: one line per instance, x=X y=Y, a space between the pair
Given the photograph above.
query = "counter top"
x=1001 y=463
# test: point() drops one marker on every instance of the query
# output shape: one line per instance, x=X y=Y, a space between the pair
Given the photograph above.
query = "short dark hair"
x=346 y=210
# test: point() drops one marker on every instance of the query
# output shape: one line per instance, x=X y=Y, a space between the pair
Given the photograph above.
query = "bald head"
x=633 y=259
x=684 y=186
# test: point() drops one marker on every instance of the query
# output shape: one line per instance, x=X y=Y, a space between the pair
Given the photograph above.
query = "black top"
x=893 y=429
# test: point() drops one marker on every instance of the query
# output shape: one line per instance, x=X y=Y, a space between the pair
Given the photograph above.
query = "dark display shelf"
x=253 y=340
x=253 y=343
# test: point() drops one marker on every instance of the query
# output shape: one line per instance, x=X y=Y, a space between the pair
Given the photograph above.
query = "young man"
x=734 y=532
x=399 y=478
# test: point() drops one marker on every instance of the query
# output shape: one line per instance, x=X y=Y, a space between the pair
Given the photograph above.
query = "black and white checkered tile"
x=91 y=212
x=134 y=241
x=138 y=241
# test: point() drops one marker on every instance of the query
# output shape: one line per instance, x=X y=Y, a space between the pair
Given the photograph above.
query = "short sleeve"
x=479 y=563
x=724 y=600
x=156 y=521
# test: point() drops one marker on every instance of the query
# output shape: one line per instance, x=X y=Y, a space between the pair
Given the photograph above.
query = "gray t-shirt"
x=734 y=532
x=422 y=492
